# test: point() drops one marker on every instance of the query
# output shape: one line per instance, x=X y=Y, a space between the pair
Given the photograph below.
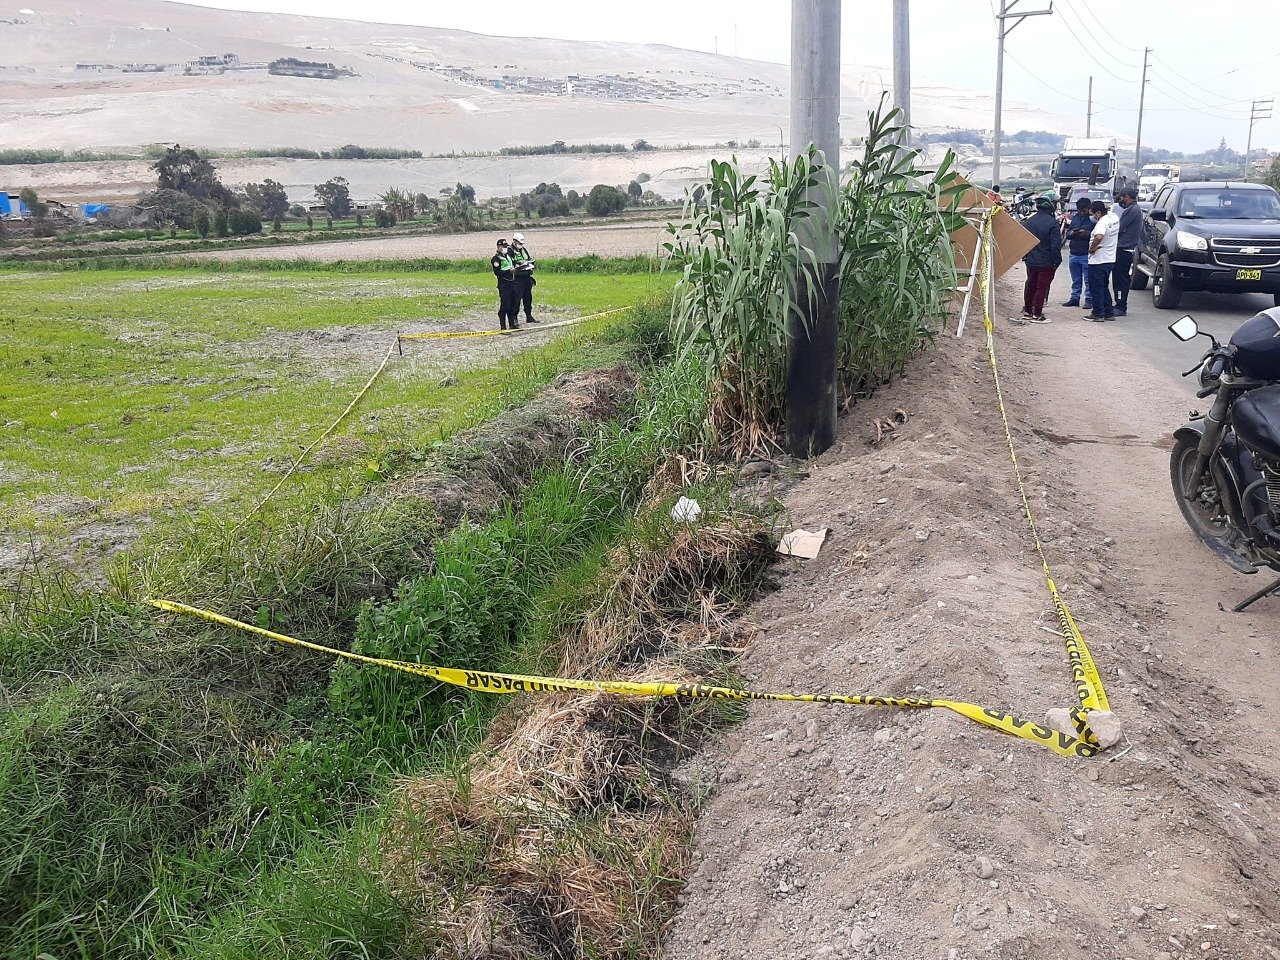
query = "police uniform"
x=504 y=269
x=525 y=282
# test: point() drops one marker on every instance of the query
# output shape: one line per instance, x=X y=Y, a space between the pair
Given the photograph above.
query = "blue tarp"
x=12 y=205
x=94 y=209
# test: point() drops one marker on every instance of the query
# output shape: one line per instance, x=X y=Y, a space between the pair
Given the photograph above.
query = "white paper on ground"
x=804 y=544
x=686 y=510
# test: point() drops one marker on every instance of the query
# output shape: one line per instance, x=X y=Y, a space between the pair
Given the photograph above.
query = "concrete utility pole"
x=1260 y=110
x=902 y=65
x=1006 y=13
x=1088 y=117
x=1142 y=102
x=812 y=326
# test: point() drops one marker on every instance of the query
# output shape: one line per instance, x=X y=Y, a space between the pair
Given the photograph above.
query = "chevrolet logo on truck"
x=1250 y=250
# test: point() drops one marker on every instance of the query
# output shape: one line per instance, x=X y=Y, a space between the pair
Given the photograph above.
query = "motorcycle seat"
x=1256 y=416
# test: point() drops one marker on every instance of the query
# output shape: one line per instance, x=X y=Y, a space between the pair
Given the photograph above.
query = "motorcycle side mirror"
x=1185 y=328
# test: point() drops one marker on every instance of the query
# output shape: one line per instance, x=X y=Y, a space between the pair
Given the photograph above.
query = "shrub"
x=384 y=218
x=604 y=200
x=220 y=223
x=744 y=271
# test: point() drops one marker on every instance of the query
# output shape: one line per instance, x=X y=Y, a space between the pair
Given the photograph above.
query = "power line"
x=1092 y=56
x=1085 y=7
x=1209 y=110
x=1053 y=87
x=1243 y=66
x=1226 y=101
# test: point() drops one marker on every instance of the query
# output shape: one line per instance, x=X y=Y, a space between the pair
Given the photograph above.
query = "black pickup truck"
x=1220 y=237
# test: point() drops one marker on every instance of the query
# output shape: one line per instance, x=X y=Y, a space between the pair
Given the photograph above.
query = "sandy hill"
x=103 y=74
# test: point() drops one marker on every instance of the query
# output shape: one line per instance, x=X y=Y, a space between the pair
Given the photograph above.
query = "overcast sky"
x=1209 y=59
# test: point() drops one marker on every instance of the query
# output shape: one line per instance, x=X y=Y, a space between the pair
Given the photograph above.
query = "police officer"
x=504 y=269
x=525 y=282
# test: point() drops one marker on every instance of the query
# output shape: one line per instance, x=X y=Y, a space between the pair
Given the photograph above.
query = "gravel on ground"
x=836 y=831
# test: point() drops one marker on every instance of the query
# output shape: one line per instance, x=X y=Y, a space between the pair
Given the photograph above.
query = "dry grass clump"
x=564 y=836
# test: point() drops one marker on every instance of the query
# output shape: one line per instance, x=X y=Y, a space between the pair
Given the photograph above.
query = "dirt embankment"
x=839 y=831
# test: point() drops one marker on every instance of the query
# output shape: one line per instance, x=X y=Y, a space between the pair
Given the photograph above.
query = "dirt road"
x=846 y=832
x=605 y=240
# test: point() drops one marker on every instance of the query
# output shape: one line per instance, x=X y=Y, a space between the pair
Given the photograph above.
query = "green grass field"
x=145 y=392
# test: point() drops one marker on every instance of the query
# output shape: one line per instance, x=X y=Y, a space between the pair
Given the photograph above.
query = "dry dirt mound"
x=844 y=831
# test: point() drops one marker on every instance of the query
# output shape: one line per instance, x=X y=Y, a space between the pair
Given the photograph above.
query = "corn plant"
x=745 y=267
x=897 y=268
x=742 y=273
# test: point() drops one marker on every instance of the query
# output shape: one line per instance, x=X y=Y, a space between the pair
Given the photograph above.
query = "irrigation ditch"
x=179 y=790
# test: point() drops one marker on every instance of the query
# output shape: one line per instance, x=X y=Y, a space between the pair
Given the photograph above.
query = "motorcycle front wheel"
x=1201 y=508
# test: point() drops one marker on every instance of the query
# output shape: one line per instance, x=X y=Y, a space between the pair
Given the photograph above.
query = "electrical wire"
x=1092 y=56
x=1225 y=100
x=1243 y=66
x=1096 y=19
x=1045 y=83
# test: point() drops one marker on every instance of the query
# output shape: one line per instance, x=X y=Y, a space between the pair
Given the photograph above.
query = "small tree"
x=335 y=194
x=641 y=145
x=298 y=211
x=328 y=222
x=39 y=210
x=202 y=223
x=220 y=223
x=268 y=198
x=276 y=225
x=604 y=200
x=310 y=223
x=384 y=218
x=634 y=190
x=466 y=192
x=575 y=200
x=359 y=219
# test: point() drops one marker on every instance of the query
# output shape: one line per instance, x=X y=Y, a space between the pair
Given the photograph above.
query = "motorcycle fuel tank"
x=1256 y=416
x=1257 y=346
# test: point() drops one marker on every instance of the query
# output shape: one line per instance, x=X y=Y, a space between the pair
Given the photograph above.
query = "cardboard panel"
x=1012 y=242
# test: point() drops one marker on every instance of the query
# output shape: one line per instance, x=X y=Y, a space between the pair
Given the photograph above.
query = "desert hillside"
x=120 y=74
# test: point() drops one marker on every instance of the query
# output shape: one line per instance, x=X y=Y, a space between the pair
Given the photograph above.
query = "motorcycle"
x=1225 y=465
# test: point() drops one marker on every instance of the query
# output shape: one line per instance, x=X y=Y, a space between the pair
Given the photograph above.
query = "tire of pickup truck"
x=1165 y=292
x=1137 y=279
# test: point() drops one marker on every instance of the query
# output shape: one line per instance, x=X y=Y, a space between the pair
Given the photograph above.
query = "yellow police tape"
x=1084 y=673
x=483 y=681
x=459 y=334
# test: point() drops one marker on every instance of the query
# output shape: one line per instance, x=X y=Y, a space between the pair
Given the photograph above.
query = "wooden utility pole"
x=812 y=326
x=1088 y=117
x=1006 y=14
x=902 y=66
x=1259 y=110
x=1142 y=101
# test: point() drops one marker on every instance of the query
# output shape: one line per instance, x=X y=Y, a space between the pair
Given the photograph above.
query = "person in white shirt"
x=1102 y=260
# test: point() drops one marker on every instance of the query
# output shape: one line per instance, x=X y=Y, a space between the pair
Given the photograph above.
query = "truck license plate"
x=1248 y=274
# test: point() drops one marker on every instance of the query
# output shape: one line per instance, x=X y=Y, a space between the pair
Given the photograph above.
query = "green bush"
x=744 y=271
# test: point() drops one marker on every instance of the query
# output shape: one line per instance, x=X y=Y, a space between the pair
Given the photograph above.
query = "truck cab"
x=1089 y=161
x=1221 y=237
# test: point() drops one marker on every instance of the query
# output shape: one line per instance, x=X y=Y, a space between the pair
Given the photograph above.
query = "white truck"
x=1091 y=161
x=1153 y=176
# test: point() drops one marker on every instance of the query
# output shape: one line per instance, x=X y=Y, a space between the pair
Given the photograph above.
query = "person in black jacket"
x=525 y=282
x=1042 y=260
x=1078 y=229
x=504 y=269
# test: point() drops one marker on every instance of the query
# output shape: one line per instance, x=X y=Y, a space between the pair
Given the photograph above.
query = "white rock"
x=986 y=869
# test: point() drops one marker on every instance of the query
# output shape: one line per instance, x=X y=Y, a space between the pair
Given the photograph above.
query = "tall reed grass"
x=744 y=268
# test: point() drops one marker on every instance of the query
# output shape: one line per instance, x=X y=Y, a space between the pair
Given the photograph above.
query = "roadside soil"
x=835 y=831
